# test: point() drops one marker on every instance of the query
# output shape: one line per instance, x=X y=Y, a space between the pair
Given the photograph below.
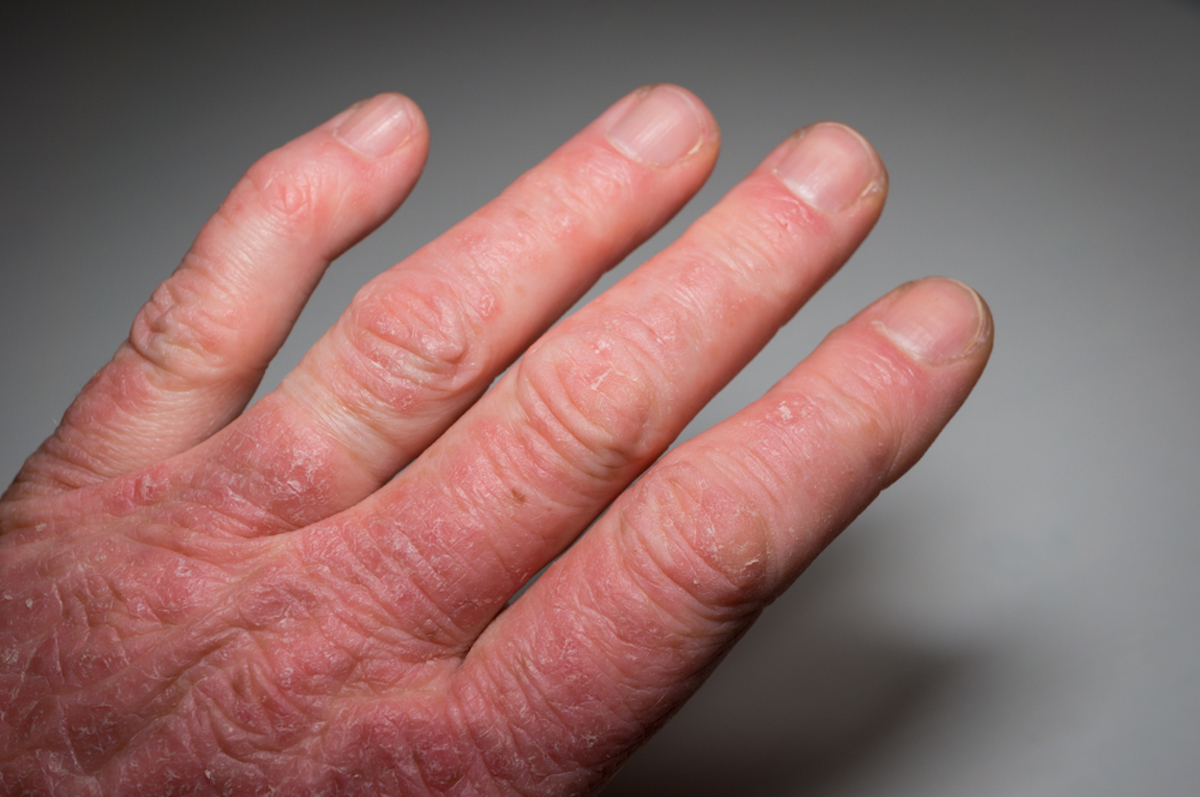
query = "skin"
x=312 y=596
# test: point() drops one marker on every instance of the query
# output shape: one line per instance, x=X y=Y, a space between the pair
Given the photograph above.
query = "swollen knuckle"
x=189 y=327
x=405 y=345
x=292 y=199
x=594 y=397
x=699 y=538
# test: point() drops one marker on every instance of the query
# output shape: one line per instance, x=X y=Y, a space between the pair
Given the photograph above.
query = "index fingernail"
x=378 y=126
x=661 y=127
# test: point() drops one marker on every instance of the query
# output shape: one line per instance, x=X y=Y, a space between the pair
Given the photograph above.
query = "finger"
x=422 y=341
x=599 y=398
x=198 y=348
x=629 y=621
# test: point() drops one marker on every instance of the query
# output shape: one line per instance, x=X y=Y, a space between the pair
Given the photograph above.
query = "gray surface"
x=1019 y=616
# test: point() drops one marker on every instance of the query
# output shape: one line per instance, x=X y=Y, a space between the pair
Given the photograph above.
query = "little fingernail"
x=661 y=127
x=830 y=166
x=936 y=319
x=377 y=126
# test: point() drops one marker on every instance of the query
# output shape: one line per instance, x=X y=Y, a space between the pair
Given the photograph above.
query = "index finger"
x=622 y=628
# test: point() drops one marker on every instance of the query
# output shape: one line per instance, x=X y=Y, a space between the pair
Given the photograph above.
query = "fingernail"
x=936 y=319
x=377 y=126
x=661 y=127
x=829 y=167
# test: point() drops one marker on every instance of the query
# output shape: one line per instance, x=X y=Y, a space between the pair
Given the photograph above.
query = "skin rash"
x=315 y=595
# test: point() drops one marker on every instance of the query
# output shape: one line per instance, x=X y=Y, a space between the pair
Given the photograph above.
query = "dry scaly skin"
x=199 y=601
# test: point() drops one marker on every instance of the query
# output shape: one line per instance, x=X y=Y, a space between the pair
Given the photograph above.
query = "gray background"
x=1019 y=615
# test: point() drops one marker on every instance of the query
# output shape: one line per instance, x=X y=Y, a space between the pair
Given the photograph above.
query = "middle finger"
x=593 y=403
x=423 y=340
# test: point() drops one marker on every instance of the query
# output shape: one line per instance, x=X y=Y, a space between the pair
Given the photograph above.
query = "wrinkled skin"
x=312 y=596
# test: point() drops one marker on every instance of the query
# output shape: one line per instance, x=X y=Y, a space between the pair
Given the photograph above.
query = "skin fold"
x=314 y=595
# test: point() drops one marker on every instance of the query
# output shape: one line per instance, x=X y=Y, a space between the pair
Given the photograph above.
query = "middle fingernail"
x=661 y=127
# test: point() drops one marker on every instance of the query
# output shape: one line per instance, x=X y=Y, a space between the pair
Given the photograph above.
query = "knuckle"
x=379 y=572
x=829 y=438
x=251 y=728
x=401 y=747
x=570 y=195
x=594 y=395
x=189 y=327
x=247 y=711
x=405 y=345
x=759 y=250
x=698 y=540
x=846 y=404
x=291 y=198
x=531 y=720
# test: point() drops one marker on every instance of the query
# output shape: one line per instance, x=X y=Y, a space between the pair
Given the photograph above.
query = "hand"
x=309 y=597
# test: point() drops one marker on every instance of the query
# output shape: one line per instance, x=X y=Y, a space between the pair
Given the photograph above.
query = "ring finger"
x=593 y=403
x=422 y=341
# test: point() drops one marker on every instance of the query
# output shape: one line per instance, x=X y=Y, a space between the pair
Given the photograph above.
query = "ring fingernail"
x=829 y=167
x=661 y=127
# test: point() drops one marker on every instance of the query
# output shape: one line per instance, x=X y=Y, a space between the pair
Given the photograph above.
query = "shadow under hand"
x=808 y=703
